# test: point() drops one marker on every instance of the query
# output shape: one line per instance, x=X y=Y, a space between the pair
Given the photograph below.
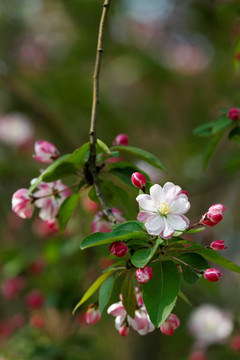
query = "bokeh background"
x=168 y=66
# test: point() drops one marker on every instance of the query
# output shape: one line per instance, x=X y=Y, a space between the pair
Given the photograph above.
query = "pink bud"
x=34 y=300
x=46 y=152
x=138 y=180
x=5 y=330
x=12 y=287
x=92 y=315
x=197 y=355
x=170 y=325
x=212 y=274
x=124 y=330
x=218 y=245
x=22 y=204
x=233 y=114
x=118 y=248
x=235 y=343
x=214 y=215
x=121 y=139
x=143 y=275
x=184 y=192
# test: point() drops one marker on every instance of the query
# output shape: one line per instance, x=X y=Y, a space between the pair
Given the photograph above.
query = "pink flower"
x=233 y=114
x=90 y=206
x=17 y=321
x=121 y=139
x=118 y=248
x=22 y=204
x=34 y=300
x=163 y=210
x=5 y=330
x=92 y=315
x=45 y=228
x=50 y=205
x=170 y=325
x=141 y=322
x=138 y=180
x=143 y=275
x=218 y=245
x=12 y=287
x=214 y=215
x=45 y=151
x=197 y=355
x=124 y=330
x=212 y=274
x=100 y=224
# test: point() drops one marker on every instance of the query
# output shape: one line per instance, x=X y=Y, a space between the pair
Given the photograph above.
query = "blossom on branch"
x=164 y=209
x=100 y=223
x=22 y=204
x=46 y=152
x=214 y=215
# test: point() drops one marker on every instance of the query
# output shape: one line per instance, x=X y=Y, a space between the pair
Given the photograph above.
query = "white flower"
x=164 y=209
x=209 y=324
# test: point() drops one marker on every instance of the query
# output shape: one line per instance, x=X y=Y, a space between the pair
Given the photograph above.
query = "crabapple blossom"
x=46 y=152
x=141 y=322
x=34 y=300
x=100 y=223
x=121 y=139
x=218 y=245
x=170 y=325
x=212 y=274
x=197 y=355
x=50 y=205
x=214 y=215
x=11 y=287
x=118 y=248
x=235 y=343
x=92 y=315
x=209 y=324
x=15 y=129
x=124 y=330
x=233 y=114
x=22 y=204
x=138 y=180
x=163 y=210
x=45 y=228
x=145 y=274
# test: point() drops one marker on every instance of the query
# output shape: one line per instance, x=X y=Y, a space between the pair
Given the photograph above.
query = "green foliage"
x=196 y=261
x=141 y=154
x=93 y=288
x=141 y=257
x=66 y=211
x=129 y=295
x=128 y=230
x=165 y=287
x=124 y=170
x=105 y=292
x=211 y=147
x=234 y=135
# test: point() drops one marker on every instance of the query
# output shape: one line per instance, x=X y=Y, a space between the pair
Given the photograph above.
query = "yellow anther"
x=164 y=208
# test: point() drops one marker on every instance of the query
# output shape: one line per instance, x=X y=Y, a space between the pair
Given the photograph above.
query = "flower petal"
x=177 y=222
x=168 y=231
x=146 y=203
x=157 y=194
x=180 y=206
x=171 y=190
x=143 y=216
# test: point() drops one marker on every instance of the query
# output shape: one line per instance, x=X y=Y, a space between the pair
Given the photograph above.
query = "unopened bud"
x=212 y=274
x=92 y=315
x=143 y=275
x=214 y=215
x=46 y=152
x=138 y=180
x=124 y=330
x=118 y=248
x=218 y=245
x=233 y=114
x=170 y=325
x=121 y=139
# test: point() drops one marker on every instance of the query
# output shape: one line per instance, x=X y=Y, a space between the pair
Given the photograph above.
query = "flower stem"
x=183 y=262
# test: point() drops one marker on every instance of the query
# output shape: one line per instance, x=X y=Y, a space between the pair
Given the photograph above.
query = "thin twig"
x=183 y=262
x=92 y=157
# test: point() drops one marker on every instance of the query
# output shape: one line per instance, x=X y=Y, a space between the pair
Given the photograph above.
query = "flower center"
x=163 y=208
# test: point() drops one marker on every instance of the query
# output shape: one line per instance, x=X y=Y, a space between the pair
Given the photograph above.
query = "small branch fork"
x=91 y=164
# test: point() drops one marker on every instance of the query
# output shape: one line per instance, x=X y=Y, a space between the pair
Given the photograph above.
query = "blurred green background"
x=168 y=66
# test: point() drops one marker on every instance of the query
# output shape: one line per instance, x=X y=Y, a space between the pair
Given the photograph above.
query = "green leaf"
x=119 y=263
x=124 y=170
x=221 y=124
x=216 y=258
x=137 y=243
x=141 y=257
x=66 y=165
x=129 y=295
x=93 y=288
x=105 y=292
x=211 y=147
x=141 y=154
x=160 y=294
x=204 y=130
x=234 y=135
x=194 y=231
x=66 y=211
x=196 y=261
x=184 y=297
x=101 y=147
x=126 y=231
